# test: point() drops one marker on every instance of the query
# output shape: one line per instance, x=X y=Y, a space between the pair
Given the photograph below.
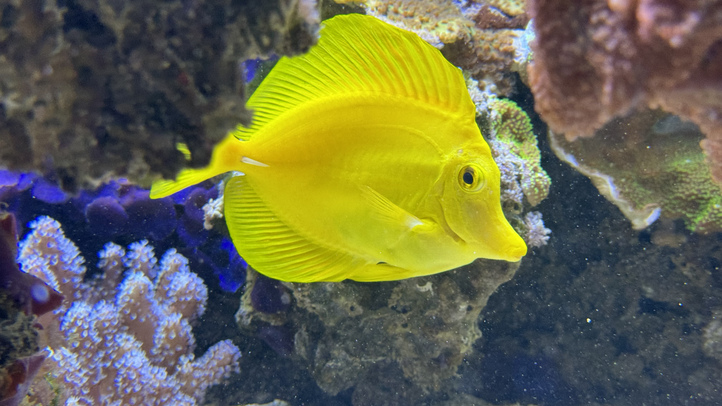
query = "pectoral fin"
x=385 y=210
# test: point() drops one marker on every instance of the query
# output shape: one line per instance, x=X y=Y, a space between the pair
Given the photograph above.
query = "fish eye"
x=471 y=178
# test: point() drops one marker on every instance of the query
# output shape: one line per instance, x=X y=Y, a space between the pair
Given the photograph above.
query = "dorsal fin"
x=363 y=55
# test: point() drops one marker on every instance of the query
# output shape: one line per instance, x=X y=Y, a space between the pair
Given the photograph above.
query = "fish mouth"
x=515 y=248
x=515 y=252
x=503 y=243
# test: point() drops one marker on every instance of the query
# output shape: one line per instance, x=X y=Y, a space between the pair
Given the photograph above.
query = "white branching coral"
x=536 y=234
x=130 y=342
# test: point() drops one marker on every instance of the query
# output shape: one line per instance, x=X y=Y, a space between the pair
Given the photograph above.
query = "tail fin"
x=184 y=179
x=221 y=161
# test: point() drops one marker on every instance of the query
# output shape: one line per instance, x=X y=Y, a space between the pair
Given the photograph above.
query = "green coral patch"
x=649 y=160
x=511 y=127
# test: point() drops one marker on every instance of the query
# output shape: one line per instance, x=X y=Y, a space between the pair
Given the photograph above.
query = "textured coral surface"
x=477 y=36
x=594 y=60
x=414 y=333
x=649 y=164
x=511 y=133
x=126 y=342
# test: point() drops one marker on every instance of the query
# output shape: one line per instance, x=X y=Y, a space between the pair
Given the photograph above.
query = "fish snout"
x=515 y=251
x=507 y=243
x=504 y=245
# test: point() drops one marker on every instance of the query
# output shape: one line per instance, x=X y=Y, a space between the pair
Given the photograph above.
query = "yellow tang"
x=363 y=162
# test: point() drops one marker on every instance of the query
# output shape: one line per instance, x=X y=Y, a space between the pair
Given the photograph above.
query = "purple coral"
x=122 y=212
x=106 y=215
x=48 y=192
x=231 y=273
x=269 y=295
x=190 y=225
x=154 y=219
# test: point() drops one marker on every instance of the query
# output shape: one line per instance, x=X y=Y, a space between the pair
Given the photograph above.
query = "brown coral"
x=597 y=59
x=92 y=88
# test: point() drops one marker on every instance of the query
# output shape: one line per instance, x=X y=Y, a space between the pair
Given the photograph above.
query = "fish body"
x=363 y=162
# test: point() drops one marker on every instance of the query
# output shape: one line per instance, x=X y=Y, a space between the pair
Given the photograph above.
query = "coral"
x=438 y=23
x=514 y=147
x=508 y=7
x=478 y=36
x=649 y=164
x=231 y=274
x=28 y=293
x=191 y=226
x=41 y=188
x=99 y=88
x=536 y=234
x=523 y=54
x=119 y=208
x=510 y=127
x=130 y=342
x=212 y=210
x=124 y=213
x=146 y=217
x=594 y=60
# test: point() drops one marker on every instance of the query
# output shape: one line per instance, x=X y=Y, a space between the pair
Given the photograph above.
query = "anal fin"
x=273 y=248
x=381 y=273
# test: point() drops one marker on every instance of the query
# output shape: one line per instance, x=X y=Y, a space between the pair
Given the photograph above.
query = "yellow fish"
x=363 y=162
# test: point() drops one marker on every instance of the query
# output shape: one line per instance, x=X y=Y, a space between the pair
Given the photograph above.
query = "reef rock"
x=97 y=88
x=414 y=333
x=478 y=36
